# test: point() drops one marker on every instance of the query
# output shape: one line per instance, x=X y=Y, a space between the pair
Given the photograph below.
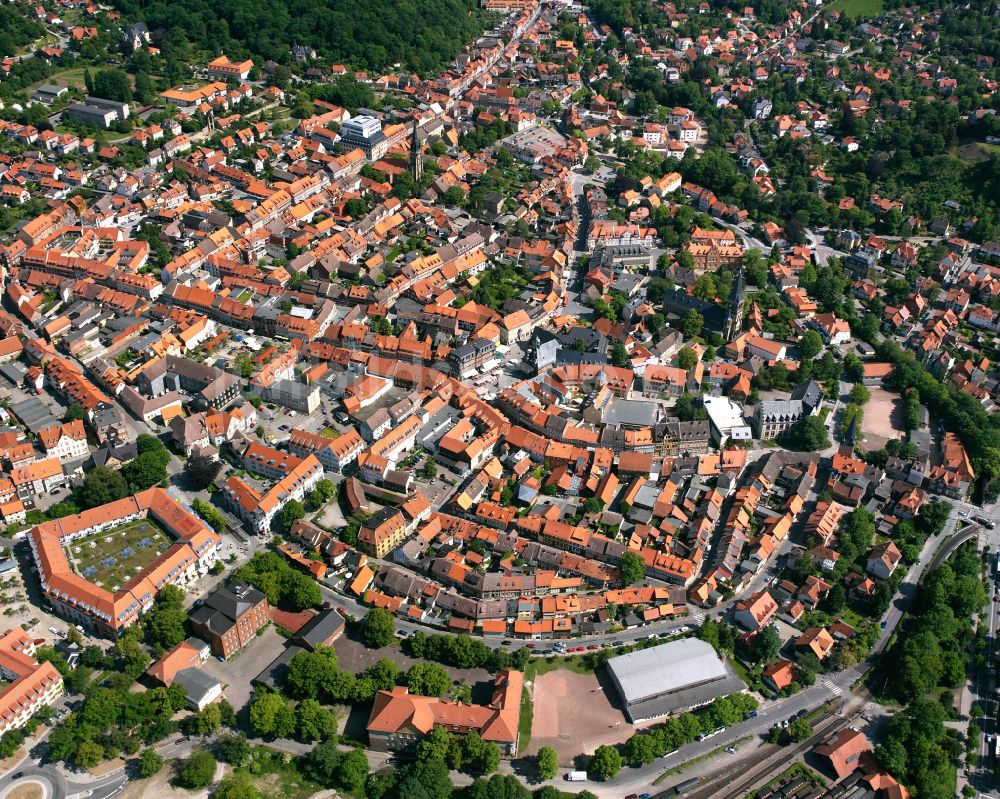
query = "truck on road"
x=576 y=776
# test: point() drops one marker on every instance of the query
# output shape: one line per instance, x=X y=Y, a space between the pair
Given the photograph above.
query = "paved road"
x=827 y=687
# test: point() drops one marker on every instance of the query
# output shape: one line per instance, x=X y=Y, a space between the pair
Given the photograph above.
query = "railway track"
x=737 y=786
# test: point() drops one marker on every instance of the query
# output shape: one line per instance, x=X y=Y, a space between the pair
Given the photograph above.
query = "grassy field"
x=539 y=666
x=857 y=8
x=69 y=77
x=329 y=432
x=524 y=725
x=110 y=559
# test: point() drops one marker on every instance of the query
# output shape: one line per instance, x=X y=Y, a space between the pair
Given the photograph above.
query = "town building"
x=107 y=612
x=670 y=678
x=229 y=618
x=30 y=685
x=400 y=720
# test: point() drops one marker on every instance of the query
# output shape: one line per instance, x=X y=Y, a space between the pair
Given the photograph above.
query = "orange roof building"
x=32 y=685
x=399 y=719
x=110 y=612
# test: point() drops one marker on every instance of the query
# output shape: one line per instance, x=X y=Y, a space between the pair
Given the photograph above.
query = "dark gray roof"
x=235 y=600
x=197 y=685
x=275 y=673
x=320 y=630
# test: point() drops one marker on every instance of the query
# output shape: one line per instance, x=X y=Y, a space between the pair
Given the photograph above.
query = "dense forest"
x=16 y=30
x=420 y=35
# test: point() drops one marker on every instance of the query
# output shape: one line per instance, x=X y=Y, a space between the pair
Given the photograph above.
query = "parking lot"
x=236 y=673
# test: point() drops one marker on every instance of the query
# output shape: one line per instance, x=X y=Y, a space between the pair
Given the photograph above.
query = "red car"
x=530 y=646
x=593 y=646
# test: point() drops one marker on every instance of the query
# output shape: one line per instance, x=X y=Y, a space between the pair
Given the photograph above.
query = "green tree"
x=210 y=514
x=233 y=749
x=165 y=624
x=88 y=754
x=270 y=716
x=112 y=84
x=301 y=591
x=145 y=471
x=704 y=287
x=201 y=471
x=810 y=345
x=547 y=763
x=379 y=628
x=150 y=763
x=808 y=435
x=314 y=722
x=75 y=412
x=237 y=785
x=766 y=644
x=605 y=764
x=799 y=730
x=686 y=358
x=101 y=486
x=425 y=779
x=352 y=771
x=631 y=569
x=436 y=746
x=144 y=91
x=427 y=679
x=198 y=770
x=454 y=195
x=619 y=355
x=854 y=368
x=692 y=324
x=291 y=513
x=310 y=672
x=860 y=394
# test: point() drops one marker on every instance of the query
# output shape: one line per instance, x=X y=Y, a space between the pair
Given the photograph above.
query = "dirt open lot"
x=883 y=418
x=573 y=714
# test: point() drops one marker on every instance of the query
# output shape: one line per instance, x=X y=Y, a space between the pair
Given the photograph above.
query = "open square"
x=574 y=714
x=883 y=418
x=113 y=557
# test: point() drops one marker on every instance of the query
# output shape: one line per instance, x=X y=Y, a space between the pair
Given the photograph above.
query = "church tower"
x=416 y=161
x=734 y=307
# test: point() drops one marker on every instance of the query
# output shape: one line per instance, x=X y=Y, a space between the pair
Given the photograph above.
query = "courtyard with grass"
x=113 y=557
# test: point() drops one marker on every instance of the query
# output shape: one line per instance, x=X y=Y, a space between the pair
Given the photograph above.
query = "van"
x=576 y=776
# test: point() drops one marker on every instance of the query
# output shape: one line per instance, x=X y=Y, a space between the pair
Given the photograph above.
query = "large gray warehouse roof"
x=665 y=669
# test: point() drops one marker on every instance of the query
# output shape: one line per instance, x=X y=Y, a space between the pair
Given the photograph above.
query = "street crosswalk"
x=834 y=689
x=698 y=618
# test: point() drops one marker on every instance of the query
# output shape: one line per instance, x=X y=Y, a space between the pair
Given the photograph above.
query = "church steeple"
x=734 y=306
x=416 y=161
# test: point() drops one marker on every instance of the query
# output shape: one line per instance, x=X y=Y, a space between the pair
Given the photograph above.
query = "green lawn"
x=113 y=557
x=524 y=725
x=70 y=77
x=543 y=666
x=857 y=8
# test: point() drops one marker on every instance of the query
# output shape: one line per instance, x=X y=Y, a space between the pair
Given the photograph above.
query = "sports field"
x=857 y=8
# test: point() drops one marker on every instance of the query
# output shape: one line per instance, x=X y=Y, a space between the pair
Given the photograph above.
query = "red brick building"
x=230 y=618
